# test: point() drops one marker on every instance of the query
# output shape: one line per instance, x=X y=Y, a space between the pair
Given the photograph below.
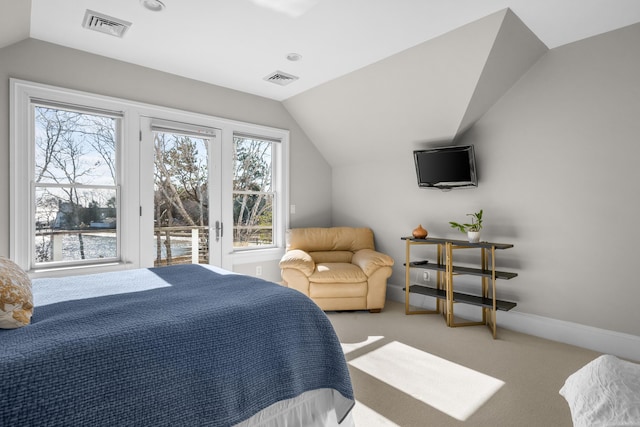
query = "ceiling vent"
x=105 y=24
x=280 y=78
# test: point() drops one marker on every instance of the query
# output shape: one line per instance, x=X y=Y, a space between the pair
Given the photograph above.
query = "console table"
x=444 y=292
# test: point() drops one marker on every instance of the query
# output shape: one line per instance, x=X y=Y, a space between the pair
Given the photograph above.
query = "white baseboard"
x=601 y=340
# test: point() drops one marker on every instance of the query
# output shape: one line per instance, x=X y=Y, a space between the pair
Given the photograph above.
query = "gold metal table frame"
x=444 y=292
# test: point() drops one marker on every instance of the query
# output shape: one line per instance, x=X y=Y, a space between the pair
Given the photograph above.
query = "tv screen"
x=446 y=167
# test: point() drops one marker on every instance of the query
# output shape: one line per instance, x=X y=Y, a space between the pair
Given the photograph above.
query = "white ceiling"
x=236 y=43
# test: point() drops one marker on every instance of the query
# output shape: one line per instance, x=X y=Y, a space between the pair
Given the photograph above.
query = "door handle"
x=219 y=230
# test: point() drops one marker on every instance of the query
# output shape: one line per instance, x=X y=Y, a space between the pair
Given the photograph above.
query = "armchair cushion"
x=337 y=272
x=331 y=256
x=331 y=239
x=370 y=261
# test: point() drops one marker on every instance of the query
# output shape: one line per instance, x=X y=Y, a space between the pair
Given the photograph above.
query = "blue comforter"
x=189 y=347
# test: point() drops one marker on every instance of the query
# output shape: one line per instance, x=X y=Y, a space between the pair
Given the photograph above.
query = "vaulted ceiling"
x=428 y=94
x=236 y=43
x=377 y=78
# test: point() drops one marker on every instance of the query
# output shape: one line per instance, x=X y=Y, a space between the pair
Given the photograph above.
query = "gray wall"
x=557 y=158
x=47 y=63
x=560 y=176
x=556 y=137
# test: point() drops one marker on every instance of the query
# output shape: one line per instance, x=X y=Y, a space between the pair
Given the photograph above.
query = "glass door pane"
x=181 y=198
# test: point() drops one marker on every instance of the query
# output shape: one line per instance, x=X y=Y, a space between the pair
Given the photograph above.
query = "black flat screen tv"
x=446 y=167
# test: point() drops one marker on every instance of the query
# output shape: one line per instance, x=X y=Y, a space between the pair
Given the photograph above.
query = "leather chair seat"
x=337 y=272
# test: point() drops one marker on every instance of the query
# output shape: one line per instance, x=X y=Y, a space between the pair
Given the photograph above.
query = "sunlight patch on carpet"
x=349 y=347
x=446 y=386
x=365 y=416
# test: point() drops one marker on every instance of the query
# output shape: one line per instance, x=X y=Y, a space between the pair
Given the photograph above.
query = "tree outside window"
x=75 y=189
x=181 y=198
x=253 y=193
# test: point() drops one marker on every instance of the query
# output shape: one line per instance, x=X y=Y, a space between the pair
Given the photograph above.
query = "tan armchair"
x=338 y=268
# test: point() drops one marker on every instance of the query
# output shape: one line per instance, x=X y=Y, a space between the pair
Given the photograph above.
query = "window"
x=75 y=193
x=96 y=182
x=253 y=192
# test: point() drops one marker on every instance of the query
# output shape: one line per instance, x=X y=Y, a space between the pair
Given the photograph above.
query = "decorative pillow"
x=16 y=299
x=604 y=392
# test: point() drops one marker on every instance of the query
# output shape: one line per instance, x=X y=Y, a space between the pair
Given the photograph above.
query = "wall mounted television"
x=446 y=168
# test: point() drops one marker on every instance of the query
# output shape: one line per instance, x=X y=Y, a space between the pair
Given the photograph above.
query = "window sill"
x=77 y=270
x=257 y=255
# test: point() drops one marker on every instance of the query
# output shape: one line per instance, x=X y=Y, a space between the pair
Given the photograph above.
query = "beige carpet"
x=415 y=371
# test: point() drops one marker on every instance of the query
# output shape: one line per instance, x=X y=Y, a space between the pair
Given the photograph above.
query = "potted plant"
x=473 y=229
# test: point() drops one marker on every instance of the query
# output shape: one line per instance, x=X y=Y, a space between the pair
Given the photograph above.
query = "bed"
x=604 y=393
x=182 y=345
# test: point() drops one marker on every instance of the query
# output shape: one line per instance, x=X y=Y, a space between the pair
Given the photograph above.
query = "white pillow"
x=16 y=299
x=605 y=392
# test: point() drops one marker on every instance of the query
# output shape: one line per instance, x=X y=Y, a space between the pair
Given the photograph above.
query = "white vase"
x=473 y=236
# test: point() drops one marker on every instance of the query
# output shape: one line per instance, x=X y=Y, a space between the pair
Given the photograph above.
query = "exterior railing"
x=193 y=242
x=50 y=245
x=255 y=235
x=173 y=245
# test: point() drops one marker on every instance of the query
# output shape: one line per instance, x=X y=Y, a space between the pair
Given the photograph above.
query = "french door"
x=180 y=213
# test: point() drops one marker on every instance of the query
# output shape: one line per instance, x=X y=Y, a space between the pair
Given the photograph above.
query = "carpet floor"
x=415 y=371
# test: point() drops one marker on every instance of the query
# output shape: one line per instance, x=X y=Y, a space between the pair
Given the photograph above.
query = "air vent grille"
x=105 y=24
x=280 y=78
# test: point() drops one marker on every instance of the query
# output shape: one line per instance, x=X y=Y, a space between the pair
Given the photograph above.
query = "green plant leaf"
x=461 y=227
x=476 y=223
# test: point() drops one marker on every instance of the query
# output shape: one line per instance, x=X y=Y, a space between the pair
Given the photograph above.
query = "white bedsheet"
x=311 y=409
x=604 y=393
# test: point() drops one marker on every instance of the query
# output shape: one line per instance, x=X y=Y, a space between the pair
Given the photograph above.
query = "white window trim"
x=21 y=153
x=21 y=93
x=281 y=188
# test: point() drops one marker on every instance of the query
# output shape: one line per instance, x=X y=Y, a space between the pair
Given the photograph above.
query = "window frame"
x=173 y=124
x=273 y=194
x=130 y=163
x=117 y=116
x=280 y=185
x=23 y=95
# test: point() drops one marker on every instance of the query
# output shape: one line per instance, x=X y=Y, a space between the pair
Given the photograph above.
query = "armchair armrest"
x=370 y=261
x=298 y=260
